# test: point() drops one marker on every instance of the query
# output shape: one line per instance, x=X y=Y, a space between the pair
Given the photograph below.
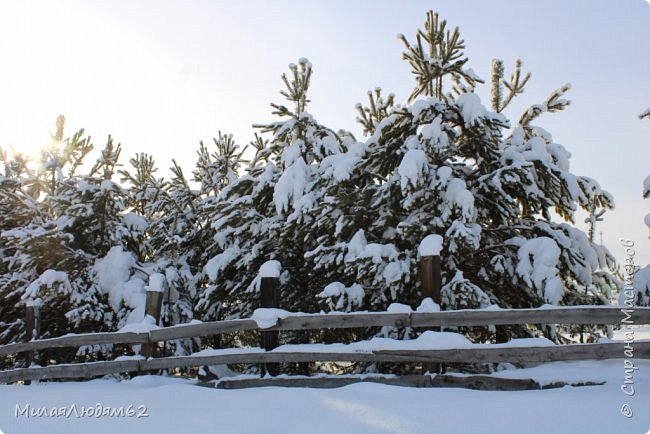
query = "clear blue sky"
x=162 y=75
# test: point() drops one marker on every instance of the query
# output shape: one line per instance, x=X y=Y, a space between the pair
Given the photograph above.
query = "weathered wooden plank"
x=569 y=315
x=324 y=382
x=474 y=382
x=484 y=382
x=464 y=355
x=495 y=353
x=348 y=320
x=76 y=341
x=202 y=329
x=255 y=357
x=81 y=370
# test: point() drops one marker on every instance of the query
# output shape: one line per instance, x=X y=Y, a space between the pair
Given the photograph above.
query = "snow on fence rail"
x=300 y=321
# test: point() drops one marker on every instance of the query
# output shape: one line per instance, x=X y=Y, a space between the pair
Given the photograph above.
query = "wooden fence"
x=482 y=354
x=269 y=356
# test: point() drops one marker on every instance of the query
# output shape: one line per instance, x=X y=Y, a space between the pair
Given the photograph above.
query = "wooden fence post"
x=431 y=280
x=32 y=330
x=153 y=307
x=270 y=298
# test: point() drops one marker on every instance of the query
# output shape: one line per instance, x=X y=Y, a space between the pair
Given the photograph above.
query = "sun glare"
x=77 y=61
x=28 y=47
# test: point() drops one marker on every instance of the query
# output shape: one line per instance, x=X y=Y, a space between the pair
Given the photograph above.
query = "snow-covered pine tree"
x=171 y=222
x=59 y=224
x=266 y=213
x=445 y=164
x=18 y=209
x=165 y=219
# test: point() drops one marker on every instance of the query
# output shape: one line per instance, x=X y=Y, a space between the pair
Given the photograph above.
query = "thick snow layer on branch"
x=459 y=233
x=292 y=152
x=48 y=278
x=580 y=243
x=114 y=276
x=354 y=294
x=358 y=247
x=538 y=258
x=420 y=105
x=430 y=245
x=134 y=221
x=394 y=271
x=646 y=186
x=434 y=133
x=114 y=269
x=444 y=172
x=357 y=244
x=265 y=178
x=647 y=220
x=471 y=108
x=291 y=185
x=411 y=167
x=270 y=269
x=217 y=264
x=340 y=165
x=334 y=289
x=457 y=195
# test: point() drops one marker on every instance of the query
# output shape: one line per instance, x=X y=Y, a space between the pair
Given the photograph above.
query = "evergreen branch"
x=444 y=57
x=645 y=114
x=515 y=86
x=553 y=103
x=497 y=84
x=370 y=117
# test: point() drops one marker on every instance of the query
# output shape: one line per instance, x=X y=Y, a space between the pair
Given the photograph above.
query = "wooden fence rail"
x=487 y=354
x=564 y=315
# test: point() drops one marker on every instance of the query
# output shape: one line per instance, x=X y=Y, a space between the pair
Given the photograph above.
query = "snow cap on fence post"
x=430 y=245
x=268 y=278
x=270 y=268
x=156 y=282
x=429 y=250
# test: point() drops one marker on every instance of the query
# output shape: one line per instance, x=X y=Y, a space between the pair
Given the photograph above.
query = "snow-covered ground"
x=175 y=405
